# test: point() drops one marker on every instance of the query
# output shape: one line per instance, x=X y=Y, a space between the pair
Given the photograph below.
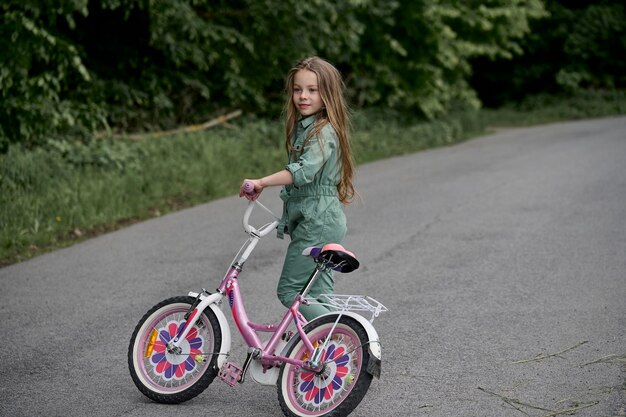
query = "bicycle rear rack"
x=341 y=302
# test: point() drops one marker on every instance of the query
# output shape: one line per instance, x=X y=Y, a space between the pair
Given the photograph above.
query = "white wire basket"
x=341 y=302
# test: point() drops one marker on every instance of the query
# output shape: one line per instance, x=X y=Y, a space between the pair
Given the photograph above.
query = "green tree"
x=580 y=45
x=36 y=68
x=418 y=56
x=595 y=48
x=73 y=67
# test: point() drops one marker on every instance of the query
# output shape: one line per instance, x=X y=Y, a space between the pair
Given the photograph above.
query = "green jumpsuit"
x=312 y=212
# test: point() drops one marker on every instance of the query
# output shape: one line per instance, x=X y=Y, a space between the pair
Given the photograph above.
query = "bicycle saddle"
x=339 y=259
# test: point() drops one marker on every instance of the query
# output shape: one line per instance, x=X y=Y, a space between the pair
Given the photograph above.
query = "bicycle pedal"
x=230 y=373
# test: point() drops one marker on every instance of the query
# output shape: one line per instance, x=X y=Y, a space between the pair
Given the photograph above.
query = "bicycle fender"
x=224 y=327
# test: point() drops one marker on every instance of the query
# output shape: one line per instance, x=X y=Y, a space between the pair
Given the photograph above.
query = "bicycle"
x=323 y=368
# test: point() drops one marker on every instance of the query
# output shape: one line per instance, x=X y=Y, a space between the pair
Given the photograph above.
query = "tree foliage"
x=418 y=56
x=37 y=67
x=579 y=46
x=73 y=67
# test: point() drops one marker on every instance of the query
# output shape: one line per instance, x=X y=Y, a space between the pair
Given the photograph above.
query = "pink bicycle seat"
x=339 y=258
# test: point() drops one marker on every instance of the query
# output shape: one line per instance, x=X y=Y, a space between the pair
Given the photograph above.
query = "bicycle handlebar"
x=263 y=230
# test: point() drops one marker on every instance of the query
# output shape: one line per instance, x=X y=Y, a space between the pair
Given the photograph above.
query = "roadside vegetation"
x=61 y=193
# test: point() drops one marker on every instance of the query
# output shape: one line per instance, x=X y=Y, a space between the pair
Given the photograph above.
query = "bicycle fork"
x=203 y=301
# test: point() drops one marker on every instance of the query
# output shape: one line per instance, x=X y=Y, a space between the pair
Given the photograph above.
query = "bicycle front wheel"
x=342 y=383
x=174 y=377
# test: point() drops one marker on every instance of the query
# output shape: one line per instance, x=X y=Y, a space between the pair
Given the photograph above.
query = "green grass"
x=60 y=194
x=547 y=109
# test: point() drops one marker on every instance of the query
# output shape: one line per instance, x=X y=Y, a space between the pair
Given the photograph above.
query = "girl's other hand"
x=244 y=191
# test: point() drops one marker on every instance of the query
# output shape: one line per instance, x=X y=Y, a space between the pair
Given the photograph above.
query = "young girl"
x=318 y=177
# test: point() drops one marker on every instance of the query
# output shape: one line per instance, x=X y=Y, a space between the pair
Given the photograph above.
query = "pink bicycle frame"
x=249 y=329
x=229 y=287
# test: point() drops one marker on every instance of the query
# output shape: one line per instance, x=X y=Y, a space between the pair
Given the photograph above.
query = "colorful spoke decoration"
x=175 y=366
x=315 y=389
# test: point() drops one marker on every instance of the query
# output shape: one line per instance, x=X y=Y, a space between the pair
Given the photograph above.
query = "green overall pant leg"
x=325 y=223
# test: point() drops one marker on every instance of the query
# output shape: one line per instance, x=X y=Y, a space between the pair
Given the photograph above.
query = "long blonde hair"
x=334 y=111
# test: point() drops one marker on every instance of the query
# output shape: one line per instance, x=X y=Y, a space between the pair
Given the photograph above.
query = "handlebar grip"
x=248 y=188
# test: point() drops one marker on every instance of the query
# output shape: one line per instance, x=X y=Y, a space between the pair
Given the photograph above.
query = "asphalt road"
x=502 y=261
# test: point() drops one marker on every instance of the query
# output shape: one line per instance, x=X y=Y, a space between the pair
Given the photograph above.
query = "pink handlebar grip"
x=248 y=188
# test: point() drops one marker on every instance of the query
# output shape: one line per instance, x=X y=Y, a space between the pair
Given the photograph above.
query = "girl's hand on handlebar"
x=251 y=189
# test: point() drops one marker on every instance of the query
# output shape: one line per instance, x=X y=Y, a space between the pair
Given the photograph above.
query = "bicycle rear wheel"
x=168 y=377
x=342 y=383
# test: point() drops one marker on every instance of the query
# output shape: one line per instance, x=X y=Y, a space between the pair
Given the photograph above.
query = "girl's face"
x=306 y=94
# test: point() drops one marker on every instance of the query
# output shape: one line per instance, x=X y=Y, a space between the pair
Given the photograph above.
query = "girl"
x=318 y=177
